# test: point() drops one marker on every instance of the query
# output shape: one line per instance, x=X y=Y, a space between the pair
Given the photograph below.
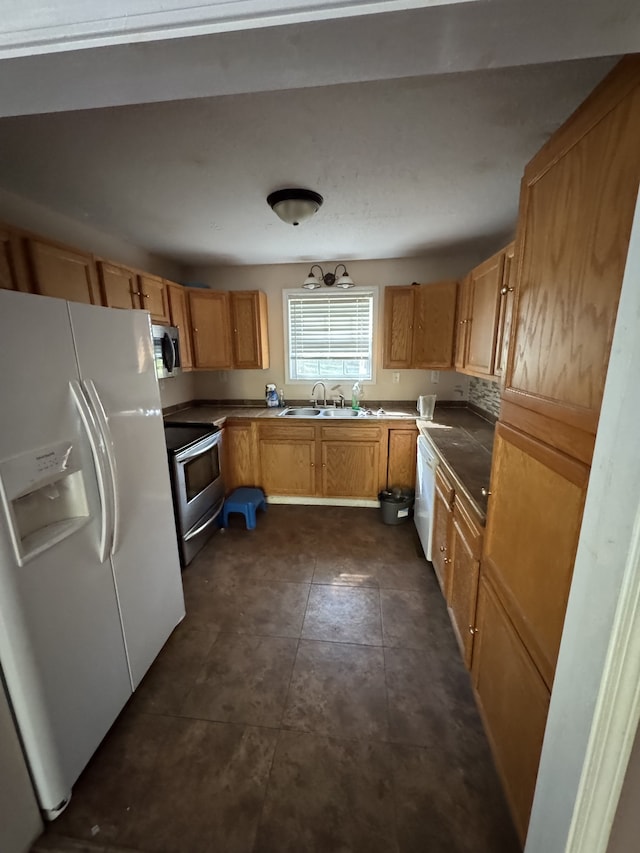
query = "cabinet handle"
x=313 y=464
x=485 y=492
x=446 y=560
x=443 y=548
x=472 y=630
x=146 y=295
x=506 y=290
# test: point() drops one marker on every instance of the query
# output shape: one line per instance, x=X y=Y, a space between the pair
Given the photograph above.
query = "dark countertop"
x=463 y=441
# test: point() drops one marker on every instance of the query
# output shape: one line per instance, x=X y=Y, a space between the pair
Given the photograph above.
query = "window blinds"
x=330 y=337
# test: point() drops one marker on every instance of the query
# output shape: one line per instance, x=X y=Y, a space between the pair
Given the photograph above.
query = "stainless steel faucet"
x=324 y=393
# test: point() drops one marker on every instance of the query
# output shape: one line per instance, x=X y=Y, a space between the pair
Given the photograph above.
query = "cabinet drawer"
x=350 y=433
x=286 y=431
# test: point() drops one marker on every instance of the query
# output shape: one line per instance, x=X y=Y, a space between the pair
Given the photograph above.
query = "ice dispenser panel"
x=44 y=498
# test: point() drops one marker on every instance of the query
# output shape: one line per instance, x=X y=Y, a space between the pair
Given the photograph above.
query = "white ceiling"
x=415 y=126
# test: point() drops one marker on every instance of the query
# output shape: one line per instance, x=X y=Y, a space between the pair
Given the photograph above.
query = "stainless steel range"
x=195 y=457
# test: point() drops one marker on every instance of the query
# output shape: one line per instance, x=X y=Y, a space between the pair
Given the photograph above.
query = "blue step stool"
x=245 y=501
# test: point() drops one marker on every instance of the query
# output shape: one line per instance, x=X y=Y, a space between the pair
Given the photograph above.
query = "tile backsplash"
x=485 y=395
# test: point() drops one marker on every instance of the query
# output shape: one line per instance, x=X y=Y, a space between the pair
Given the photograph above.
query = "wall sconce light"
x=313 y=282
x=294 y=205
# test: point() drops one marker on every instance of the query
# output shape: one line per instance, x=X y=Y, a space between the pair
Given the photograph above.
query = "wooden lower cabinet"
x=350 y=469
x=513 y=701
x=287 y=459
x=401 y=468
x=533 y=525
x=464 y=570
x=442 y=515
x=238 y=465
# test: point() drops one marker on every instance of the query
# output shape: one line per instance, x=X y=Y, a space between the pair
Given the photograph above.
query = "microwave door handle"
x=168 y=353
x=103 y=425
x=97 y=451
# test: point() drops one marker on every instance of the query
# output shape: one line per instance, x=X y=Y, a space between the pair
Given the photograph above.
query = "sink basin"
x=302 y=412
x=339 y=413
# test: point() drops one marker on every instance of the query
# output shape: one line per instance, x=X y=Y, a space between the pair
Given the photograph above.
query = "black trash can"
x=396 y=505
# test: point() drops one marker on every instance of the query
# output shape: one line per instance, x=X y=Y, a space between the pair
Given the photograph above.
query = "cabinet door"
x=153 y=295
x=209 y=311
x=442 y=514
x=13 y=270
x=119 y=286
x=63 y=273
x=249 y=324
x=533 y=524
x=398 y=327
x=434 y=325
x=350 y=469
x=506 y=310
x=513 y=701
x=462 y=325
x=288 y=466
x=484 y=301
x=576 y=208
x=178 y=313
x=466 y=539
x=238 y=457
x=401 y=470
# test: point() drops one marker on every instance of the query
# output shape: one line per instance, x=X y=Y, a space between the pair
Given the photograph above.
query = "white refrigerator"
x=90 y=584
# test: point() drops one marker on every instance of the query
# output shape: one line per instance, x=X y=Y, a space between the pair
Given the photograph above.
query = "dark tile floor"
x=312 y=701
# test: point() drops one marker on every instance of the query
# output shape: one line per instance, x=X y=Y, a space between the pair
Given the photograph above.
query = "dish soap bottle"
x=271 y=395
x=356 y=393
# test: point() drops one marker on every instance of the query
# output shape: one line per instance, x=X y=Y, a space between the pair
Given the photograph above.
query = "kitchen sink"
x=339 y=413
x=302 y=412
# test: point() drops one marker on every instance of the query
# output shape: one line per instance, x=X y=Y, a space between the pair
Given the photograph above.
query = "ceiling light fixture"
x=313 y=282
x=294 y=205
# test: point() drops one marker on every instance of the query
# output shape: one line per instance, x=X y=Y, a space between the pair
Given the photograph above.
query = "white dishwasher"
x=425 y=493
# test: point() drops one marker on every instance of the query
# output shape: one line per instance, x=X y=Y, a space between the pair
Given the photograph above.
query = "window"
x=330 y=335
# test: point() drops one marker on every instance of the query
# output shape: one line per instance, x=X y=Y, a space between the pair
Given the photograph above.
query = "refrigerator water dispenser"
x=44 y=498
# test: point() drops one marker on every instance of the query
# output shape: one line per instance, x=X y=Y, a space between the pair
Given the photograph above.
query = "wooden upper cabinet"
x=153 y=297
x=210 y=324
x=576 y=208
x=13 y=269
x=249 y=329
x=64 y=273
x=434 y=317
x=119 y=286
x=505 y=311
x=419 y=324
x=462 y=325
x=398 y=326
x=485 y=283
x=179 y=317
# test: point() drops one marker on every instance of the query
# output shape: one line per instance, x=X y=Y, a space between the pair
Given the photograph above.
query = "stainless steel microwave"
x=166 y=351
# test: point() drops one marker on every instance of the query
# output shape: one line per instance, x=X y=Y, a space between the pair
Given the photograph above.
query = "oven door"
x=198 y=482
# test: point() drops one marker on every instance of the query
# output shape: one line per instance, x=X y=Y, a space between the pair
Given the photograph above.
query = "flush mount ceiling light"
x=294 y=205
x=313 y=282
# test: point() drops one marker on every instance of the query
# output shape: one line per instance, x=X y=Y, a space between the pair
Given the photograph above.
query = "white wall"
x=177 y=389
x=273 y=279
x=612 y=504
x=23 y=213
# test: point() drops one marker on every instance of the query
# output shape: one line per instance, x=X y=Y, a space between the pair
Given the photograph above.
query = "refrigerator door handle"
x=103 y=425
x=97 y=451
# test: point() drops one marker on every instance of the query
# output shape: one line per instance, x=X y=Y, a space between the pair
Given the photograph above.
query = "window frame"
x=373 y=290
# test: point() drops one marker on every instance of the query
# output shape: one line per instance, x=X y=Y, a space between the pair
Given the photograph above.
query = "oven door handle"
x=206 y=523
x=203 y=445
